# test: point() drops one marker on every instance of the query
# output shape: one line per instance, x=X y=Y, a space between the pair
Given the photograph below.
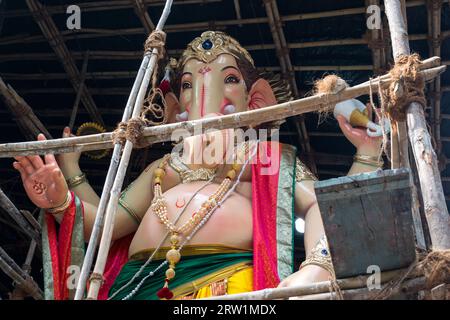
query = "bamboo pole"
x=205 y=25
x=141 y=12
x=56 y=41
x=409 y=286
x=163 y=132
x=18 y=292
x=112 y=170
x=94 y=6
x=25 y=282
x=111 y=208
x=400 y=158
x=17 y=216
x=132 y=55
x=79 y=92
x=125 y=4
x=30 y=125
x=433 y=195
x=435 y=6
x=309 y=289
x=375 y=38
x=287 y=70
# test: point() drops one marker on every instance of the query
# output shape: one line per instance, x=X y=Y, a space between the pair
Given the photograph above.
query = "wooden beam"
x=8 y=265
x=132 y=55
x=108 y=75
x=18 y=217
x=28 y=122
x=434 y=24
x=427 y=166
x=237 y=120
x=96 y=6
x=125 y=4
x=287 y=71
x=56 y=41
x=200 y=25
x=237 y=9
x=376 y=37
x=76 y=103
x=141 y=11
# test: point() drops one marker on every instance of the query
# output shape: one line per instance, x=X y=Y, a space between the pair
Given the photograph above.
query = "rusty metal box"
x=368 y=221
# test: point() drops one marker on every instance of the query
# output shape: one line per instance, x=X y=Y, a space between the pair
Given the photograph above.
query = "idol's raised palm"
x=44 y=182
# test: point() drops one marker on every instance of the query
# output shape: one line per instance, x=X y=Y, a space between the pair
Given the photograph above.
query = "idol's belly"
x=230 y=224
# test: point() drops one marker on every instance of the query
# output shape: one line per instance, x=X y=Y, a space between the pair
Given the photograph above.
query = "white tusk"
x=374 y=130
x=182 y=116
x=229 y=109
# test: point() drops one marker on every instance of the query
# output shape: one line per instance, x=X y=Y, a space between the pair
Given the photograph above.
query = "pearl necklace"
x=188 y=238
x=159 y=207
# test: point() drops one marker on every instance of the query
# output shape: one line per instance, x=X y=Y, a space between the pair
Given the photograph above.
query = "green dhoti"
x=198 y=266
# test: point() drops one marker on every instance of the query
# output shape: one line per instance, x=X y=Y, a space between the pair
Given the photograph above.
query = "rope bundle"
x=407 y=87
x=156 y=40
x=434 y=266
x=132 y=129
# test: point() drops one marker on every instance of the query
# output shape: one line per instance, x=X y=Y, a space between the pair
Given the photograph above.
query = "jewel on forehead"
x=207 y=44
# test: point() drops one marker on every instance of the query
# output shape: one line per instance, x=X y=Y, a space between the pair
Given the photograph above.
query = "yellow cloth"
x=241 y=281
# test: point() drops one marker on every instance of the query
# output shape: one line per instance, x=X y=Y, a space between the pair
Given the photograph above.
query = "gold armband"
x=369 y=160
x=126 y=207
x=320 y=256
x=76 y=180
x=302 y=172
x=63 y=207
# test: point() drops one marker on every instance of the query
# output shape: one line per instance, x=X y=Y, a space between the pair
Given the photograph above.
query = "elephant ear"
x=172 y=107
x=261 y=95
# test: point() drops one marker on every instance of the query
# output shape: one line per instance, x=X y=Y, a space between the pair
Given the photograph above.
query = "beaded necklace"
x=159 y=207
x=187 y=239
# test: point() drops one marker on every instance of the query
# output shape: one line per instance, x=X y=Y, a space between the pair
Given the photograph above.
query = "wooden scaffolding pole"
x=19 y=218
x=81 y=86
x=434 y=29
x=140 y=9
x=321 y=290
x=429 y=70
x=118 y=177
x=288 y=72
x=56 y=41
x=27 y=121
x=430 y=181
x=23 y=280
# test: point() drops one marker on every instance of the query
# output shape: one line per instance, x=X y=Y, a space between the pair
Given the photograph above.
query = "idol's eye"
x=231 y=79
x=186 y=85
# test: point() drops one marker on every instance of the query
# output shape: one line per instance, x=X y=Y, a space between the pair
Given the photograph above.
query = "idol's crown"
x=210 y=45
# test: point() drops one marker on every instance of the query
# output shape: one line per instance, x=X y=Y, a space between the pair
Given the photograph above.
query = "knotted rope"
x=407 y=86
x=132 y=129
x=156 y=40
x=334 y=288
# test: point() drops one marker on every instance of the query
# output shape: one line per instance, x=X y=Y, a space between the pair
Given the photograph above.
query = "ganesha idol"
x=192 y=229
